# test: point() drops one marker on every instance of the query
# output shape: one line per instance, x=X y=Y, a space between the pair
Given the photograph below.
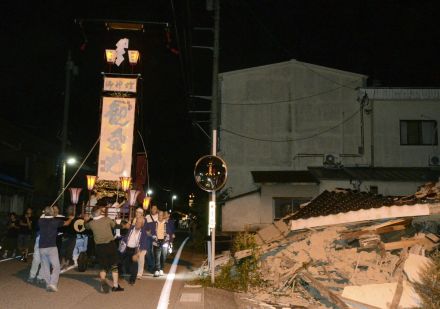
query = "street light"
x=149 y=192
x=174 y=197
x=91 y=180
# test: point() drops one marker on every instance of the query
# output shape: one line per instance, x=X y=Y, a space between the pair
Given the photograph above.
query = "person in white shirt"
x=153 y=216
x=139 y=215
x=135 y=242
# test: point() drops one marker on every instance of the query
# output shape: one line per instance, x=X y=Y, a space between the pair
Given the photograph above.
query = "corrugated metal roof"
x=283 y=177
x=421 y=174
x=418 y=174
x=329 y=173
x=401 y=93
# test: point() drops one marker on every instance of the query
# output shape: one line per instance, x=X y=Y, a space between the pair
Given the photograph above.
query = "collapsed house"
x=348 y=249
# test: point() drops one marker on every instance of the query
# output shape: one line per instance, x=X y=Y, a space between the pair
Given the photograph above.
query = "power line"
x=284 y=101
x=290 y=140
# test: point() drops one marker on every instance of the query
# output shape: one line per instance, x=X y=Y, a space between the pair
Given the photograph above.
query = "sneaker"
x=118 y=289
x=52 y=288
x=161 y=272
x=156 y=273
x=41 y=281
x=105 y=287
x=30 y=280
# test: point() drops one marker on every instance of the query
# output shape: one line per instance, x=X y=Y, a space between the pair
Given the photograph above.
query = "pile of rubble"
x=358 y=264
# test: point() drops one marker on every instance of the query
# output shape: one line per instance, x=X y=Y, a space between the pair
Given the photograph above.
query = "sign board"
x=210 y=173
x=115 y=149
x=120 y=84
x=211 y=224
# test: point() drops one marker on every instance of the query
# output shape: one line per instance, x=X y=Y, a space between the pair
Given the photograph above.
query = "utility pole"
x=68 y=77
x=215 y=61
x=214 y=119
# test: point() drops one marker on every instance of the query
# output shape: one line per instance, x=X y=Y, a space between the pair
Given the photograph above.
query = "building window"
x=418 y=132
x=284 y=206
x=374 y=189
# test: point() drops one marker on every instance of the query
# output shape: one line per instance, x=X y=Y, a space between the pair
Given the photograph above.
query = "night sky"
x=395 y=43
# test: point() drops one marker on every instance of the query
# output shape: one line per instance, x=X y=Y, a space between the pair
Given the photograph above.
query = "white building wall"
x=256 y=210
x=241 y=213
x=387 y=115
x=311 y=99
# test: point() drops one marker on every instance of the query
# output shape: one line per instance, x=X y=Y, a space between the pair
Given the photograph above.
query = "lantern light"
x=110 y=55
x=133 y=56
x=146 y=202
x=74 y=195
x=125 y=183
x=91 y=179
x=133 y=197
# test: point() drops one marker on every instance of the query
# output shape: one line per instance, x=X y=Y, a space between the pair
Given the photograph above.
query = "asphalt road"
x=81 y=290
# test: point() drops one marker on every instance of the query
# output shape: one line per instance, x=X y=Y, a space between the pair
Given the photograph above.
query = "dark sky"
x=393 y=42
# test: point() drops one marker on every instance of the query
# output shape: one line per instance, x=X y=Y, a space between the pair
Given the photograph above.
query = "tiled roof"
x=331 y=203
x=283 y=177
x=345 y=200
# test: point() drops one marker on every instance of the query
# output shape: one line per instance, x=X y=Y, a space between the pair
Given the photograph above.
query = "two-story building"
x=292 y=130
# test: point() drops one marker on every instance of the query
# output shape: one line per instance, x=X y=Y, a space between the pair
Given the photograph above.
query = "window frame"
x=420 y=132
x=293 y=198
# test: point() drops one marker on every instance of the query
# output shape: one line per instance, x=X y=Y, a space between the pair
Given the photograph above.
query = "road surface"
x=81 y=290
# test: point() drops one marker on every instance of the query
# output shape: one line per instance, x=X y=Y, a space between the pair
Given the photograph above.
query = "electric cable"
x=290 y=140
x=146 y=158
x=283 y=101
x=76 y=172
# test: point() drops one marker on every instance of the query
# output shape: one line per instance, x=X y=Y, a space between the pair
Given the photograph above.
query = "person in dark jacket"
x=163 y=235
x=24 y=233
x=10 y=243
x=49 y=226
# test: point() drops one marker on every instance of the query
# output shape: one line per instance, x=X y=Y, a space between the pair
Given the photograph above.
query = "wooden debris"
x=405 y=222
x=428 y=244
x=397 y=294
x=383 y=230
x=323 y=290
x=432 y=237
x=369 y=241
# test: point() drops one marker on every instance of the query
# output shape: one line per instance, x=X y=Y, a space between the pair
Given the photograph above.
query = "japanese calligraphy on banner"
x=120 y=84
x=115 y=149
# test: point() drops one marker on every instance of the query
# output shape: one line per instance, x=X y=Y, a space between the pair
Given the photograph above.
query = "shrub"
x=429 y=286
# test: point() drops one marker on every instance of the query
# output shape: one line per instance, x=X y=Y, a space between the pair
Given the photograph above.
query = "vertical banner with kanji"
x=116 y=145
x=141 y=170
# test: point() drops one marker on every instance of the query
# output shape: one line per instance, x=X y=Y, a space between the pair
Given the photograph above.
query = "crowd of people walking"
x=119 y=246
